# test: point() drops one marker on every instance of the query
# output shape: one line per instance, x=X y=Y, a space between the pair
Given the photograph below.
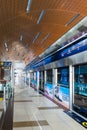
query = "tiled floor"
x=32 y=111
x=1 y=107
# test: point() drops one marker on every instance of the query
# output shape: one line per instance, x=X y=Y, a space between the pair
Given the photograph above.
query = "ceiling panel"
x=58 y=17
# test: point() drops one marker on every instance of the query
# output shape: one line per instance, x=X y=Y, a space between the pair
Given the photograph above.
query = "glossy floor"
x=1 y=106
x=33 y=111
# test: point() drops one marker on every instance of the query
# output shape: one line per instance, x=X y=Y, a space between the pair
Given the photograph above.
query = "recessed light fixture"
x=45 y=38
x=28 y=6
x=6 y=49
x=72 y=19
x=40 y=17
x=21 y=38
x=36 y=37
x=6 y=45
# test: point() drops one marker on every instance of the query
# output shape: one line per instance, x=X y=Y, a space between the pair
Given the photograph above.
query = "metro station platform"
x=33 y=111
x=30 y=110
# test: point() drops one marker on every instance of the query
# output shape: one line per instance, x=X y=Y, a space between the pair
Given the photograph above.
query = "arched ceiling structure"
x=29 y=27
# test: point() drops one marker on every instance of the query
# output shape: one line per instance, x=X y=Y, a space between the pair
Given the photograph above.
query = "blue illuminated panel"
x=68 y=51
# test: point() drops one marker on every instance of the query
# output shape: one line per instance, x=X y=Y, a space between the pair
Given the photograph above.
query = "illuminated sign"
x=5 y=63
x=84 y=124
x=1 y=63
x=66 y=52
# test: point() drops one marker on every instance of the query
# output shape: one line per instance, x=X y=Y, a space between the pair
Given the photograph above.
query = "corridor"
x=33 y=111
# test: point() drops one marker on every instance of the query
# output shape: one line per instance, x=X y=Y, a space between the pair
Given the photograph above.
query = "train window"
x=49 y=75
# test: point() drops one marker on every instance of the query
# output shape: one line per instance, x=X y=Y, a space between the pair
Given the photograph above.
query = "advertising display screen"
x=62 y=89
x=49 y=83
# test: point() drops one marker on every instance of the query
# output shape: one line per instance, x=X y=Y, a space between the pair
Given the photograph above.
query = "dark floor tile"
x=30 y=123
x=23 y=101
x=47 y=108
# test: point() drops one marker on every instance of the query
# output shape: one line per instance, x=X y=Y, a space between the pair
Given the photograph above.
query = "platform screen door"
x=80 y=89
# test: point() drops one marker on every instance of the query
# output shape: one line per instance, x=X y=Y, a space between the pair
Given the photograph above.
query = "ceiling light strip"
x=73 y=19
x=45 y=38
x=36 y=37
x=21 y=38
x=40 y=17
x=6 y=49
x=6 y=45
x=28 y=6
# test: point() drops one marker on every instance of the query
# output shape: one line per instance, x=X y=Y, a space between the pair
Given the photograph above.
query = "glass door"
x=41 y=81
x=80 y=90
x=63 y=86
x=32 y=79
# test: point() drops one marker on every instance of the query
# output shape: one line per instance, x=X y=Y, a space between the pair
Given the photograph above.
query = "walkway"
x=33 y=111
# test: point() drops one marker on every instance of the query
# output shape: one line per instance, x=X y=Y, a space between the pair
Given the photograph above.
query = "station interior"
x=43 y=64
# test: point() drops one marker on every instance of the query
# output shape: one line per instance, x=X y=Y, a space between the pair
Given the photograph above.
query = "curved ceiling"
x=29 y=27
